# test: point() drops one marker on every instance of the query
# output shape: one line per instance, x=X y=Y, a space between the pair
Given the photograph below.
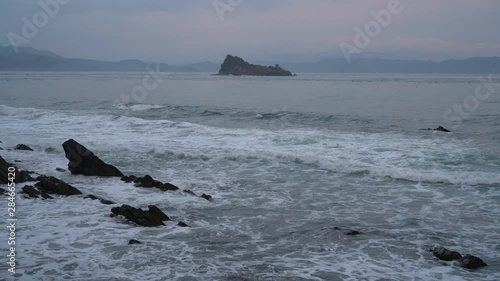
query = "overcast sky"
x=186 y=31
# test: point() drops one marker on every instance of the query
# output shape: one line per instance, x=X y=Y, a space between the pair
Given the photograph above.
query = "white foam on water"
x=277 y=197
x=137 y=107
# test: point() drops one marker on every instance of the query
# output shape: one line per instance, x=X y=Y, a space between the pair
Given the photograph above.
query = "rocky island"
x=233 y=65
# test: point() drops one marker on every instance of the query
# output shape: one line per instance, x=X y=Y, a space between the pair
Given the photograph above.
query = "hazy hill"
x=29 y=59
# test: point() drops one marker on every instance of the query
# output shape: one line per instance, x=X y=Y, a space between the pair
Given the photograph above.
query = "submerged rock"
x=471 y=262
x=182 y=224
x=60 y=170
x=133 y=241
x=206 y=196
x=353 y=233
x=233 y=65
x=442 y=129
x=189 y=192
x=168 y=187
x=103 y=201
x=148 y=182
x=153 y=217
x=467 y=261
x=23 y=147
x=446 y=255
x=83 y=161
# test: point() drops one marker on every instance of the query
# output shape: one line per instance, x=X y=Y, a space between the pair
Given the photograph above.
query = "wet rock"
x=157 y=212
x=442 y=129
x=32 y=192
x=91 y=196
x=150 y=218
x=471 y=262
x=126 y=179
x=20 y=176
x=182 y=224
x=103 y=201
x=52 y=185
x=23 y=147
x=206 y=196
x=168 y=187
x=83 y=161
x=133 y=241
x=23 y=176
x=106 y=202
x=446 y=255
x=147 y=181
x=2 y=191
x=189 y=191
x=60 y=170
x=353 y=233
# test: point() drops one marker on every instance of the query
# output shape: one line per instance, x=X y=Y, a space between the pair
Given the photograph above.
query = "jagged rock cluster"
x=84 y=162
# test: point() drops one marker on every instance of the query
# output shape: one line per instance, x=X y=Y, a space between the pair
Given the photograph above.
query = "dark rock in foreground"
x=31 y=192
x=133 y=241
x=83 y=162
x=471 y=262
x=20 y=176
x=446 y=255
x=467 y=261
x=233 y=65
x=23 y=147
x=52 y=185
x=153 y=217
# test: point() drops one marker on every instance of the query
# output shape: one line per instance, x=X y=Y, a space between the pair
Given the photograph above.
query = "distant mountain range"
x=29 y=59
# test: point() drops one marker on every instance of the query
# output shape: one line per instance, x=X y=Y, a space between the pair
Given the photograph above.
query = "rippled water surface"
x=293 y=165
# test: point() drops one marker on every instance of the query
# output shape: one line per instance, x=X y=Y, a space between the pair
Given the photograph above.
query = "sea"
x=294 y=164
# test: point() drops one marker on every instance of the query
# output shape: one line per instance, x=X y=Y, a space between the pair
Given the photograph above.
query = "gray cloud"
x=190 y=31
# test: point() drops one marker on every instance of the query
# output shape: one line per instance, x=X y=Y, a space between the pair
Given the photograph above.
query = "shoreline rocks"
x=150 y=218
x=84 y=162
x=52 y=185
x=148 y=182
x=467 y=261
